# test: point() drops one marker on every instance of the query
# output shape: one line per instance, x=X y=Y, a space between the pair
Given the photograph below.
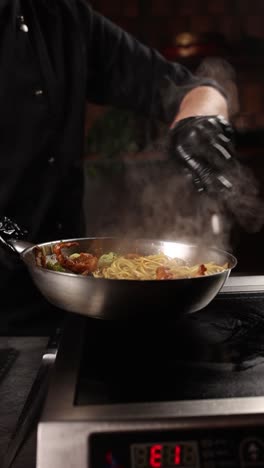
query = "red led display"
x=156 y=455
x=177 y=455
x=165 y=455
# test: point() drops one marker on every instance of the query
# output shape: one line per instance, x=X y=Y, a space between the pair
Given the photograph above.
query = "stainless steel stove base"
x=66 y=444
x=65 y=429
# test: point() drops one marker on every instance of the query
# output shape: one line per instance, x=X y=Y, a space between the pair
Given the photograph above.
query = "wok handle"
x=18 y=246
x=12 y=236
x=14 y=247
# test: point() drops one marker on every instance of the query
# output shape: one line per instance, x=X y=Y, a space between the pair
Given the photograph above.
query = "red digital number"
x=177 y=455
x=155 y=456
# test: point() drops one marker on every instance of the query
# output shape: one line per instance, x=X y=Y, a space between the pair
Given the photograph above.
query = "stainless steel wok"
x=128 y=299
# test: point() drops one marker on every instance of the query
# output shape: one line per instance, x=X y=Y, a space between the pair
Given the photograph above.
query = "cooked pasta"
x=152 y=267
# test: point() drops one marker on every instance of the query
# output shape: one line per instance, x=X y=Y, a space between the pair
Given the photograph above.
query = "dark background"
x=231 y=30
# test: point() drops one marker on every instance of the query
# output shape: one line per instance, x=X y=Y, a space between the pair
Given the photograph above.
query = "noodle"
x=149 y=267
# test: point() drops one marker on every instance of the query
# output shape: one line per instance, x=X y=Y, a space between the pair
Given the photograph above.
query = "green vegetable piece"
x=106 y=259
x=55 y=267
x=74 y=255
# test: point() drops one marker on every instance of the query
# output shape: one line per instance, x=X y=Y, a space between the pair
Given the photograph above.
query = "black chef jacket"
x=54 y=56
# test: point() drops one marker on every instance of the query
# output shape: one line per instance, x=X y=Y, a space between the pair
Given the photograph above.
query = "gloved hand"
x=203 y=145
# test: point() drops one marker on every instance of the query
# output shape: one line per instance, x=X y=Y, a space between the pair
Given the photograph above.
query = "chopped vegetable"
x=107 y=259
x=55 y=267
x=74 y=255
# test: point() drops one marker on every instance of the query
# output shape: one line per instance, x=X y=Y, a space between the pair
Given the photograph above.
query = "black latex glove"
x=203 y=145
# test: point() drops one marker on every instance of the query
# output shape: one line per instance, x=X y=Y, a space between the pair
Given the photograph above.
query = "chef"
x=56 y=55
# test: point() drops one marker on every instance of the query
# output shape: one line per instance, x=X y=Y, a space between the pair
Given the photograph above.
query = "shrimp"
x=163 y=273
x=84 y=264
x=201 y=270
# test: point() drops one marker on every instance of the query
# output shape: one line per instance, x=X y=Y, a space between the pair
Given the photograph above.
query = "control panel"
x=229 y=448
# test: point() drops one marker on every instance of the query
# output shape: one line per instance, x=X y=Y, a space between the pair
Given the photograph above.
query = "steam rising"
x=160 y=201
x=167 y=206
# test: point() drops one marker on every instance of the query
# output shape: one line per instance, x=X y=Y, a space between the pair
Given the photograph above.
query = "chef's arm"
x=124 y=73
x=200 y=101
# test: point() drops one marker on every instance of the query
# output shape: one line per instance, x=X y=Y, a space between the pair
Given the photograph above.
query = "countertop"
x=14 y=389
x=27 y=332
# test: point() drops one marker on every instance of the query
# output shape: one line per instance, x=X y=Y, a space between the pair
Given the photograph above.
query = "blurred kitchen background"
x=186 y=31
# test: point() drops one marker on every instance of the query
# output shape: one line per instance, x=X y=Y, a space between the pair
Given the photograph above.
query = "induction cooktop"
x=161 y=394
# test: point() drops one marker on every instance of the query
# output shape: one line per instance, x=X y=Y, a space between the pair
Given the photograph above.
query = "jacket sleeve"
x=124 y=73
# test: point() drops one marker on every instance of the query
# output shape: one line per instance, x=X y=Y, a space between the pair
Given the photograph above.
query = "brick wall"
x=156 y=22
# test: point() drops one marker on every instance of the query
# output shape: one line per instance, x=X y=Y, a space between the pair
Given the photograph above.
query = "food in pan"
x=154 y=267
x=83 y=262
x=130 y=266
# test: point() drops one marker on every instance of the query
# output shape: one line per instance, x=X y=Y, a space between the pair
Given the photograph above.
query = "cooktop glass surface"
x=215 y=353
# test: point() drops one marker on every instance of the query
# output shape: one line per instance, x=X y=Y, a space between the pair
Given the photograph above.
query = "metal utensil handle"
x=18 y=246
x=12 y=236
